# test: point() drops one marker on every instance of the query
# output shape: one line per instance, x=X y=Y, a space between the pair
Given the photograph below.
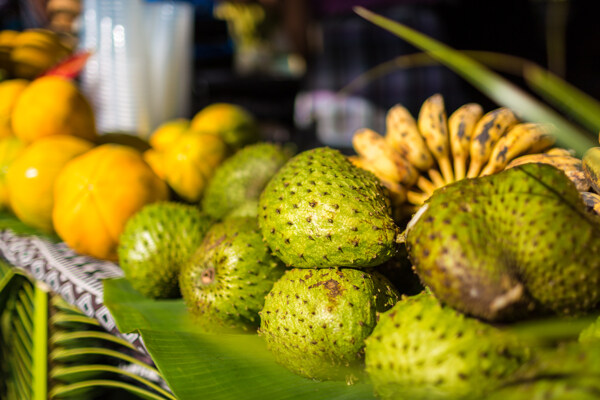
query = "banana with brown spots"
x=460 y=126
x=403 y=135
x=592 y=200
x=433 y=125
x=521 y=139
x=489 y=129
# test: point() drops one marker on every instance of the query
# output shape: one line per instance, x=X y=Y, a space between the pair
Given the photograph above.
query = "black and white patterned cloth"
x=77 y=278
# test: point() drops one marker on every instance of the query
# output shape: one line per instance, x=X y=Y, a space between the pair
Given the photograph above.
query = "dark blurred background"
x=285 y=60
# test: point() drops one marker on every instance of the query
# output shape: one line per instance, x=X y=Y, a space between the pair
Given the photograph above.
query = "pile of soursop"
x=304 y=251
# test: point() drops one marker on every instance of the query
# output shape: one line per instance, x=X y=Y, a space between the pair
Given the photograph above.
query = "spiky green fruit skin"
x=423 y=350
x=315 y=321
x=320 y=211
x=242 y=177
x=508 y=245
x=156 y=242
x=225 y=282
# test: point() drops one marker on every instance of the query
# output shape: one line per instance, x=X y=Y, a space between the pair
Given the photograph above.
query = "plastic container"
x=139 y=74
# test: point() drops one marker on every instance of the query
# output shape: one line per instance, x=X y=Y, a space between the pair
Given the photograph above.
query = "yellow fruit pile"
x=186 y=152
x=58 y=175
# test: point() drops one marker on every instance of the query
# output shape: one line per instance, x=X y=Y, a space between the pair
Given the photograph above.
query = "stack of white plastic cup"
x=139 y=74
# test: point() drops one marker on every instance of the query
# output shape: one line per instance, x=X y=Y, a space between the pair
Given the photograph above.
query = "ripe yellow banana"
x=433 y=125
x=592 y=200
x=426 y=185
x=397 y=191
x=416 y=198
x=389 y=163
x=487 y=132
x=521 y=139
x=460 y=127
x=557 y=151
x=591 y=167
x=571 y=166
x=403 y=136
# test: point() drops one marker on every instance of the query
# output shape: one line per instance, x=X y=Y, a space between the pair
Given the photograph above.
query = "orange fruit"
x=156 y=161
x=30 y=178
x=189 y=163
x=168 y=132
x=9 y=93
x=96 y=193
x=52 y=105
x=236 y=126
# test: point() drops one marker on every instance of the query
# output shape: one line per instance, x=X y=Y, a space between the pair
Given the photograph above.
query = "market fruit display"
x=321 y=211
x=156 y=242
x=52 y=105
x=509 y=245
x=225 y=282
x=315 y=321
x=242 y=177
x=96 y=193
x=234 y=124
x=307 y=250
x=421 y=349
x=31 y=177
x=10 y=90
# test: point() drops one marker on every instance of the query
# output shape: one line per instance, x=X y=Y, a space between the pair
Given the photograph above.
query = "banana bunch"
x=415 y=157
x=28 y=53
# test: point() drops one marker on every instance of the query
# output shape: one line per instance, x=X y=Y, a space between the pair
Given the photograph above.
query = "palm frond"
x=51 y=350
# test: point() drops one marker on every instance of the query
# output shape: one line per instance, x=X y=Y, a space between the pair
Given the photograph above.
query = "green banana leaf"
x=489 y=83
x=564 y=96
x=212 y=366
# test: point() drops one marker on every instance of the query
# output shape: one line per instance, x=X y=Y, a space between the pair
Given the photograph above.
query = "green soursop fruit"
x=508 y=245
x=423 y=350
x=321 y=211
x=156 y=242
x=248 y=209
x=224 y=284
x=571 y=371
x=314 y=321
x=242 y=177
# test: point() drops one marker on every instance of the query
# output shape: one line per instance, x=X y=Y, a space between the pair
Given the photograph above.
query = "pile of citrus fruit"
x=59 y=175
